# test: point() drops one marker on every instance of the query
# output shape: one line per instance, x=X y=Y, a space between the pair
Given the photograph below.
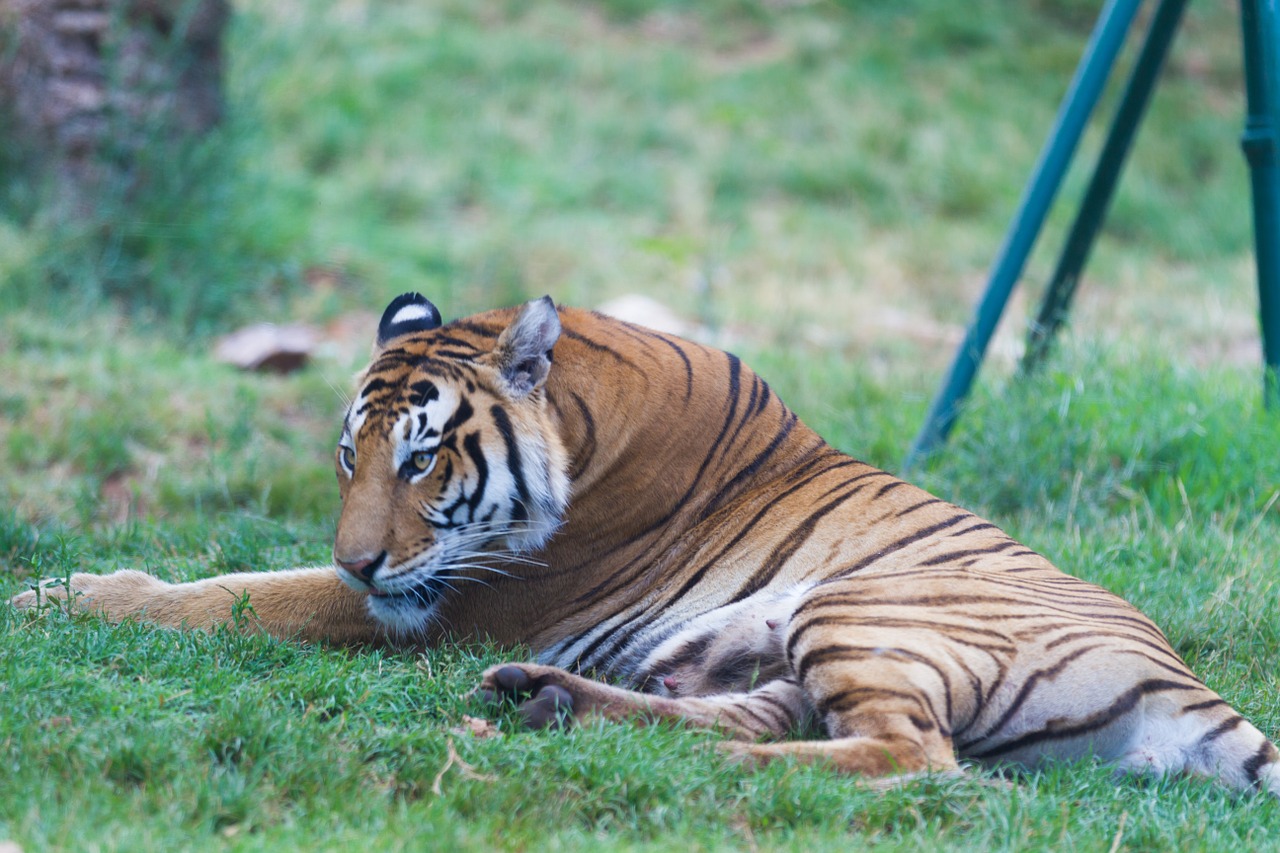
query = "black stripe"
x=450 y=340
x=766 y=394
x=847 y=700
x=587 y=446
x=780 y=723
x=588 y=657
x=824 y=654
x=1039 y=606
x=688 y=365
x=921 y=724
x=786 y=710
x=645 y=334
x=957 y=555
x=1099 y=617
x=375 y=384
x=502 y=421
x=1200 y=706
x=1125 y=703
x=746 y=708
x=471 y=444
x=889 y=487
x=978 y=688
x=924 y=503
x=1224 y=727
x=1092 y=631
x=874 y=472
x=981 y=525
x=601 y=348
x=899 y=544
x=460 y=416
x=458 y=355
x=749 y=409
x=1264 y=756
x=477 y=329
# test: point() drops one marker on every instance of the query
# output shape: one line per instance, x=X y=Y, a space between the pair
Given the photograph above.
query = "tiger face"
x=448 y=458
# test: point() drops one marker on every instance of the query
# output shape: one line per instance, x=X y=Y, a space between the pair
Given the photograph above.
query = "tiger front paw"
x=541 y=701
x=118 y=596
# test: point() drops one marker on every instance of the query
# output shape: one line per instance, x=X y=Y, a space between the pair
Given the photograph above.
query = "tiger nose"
x=363 y=568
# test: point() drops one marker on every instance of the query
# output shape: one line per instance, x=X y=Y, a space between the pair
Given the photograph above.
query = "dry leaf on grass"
x=476 y=727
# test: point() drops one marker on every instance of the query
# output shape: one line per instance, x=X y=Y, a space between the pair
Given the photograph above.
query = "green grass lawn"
x=822 y=185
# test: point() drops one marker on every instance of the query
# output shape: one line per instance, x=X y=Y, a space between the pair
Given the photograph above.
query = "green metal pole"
x=1090 y=77
x=1262 y=90
x=1097 y=198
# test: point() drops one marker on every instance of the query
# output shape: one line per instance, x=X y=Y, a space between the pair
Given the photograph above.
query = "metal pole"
x=1262 y=90
x=1097 y=198
x=1090 y=77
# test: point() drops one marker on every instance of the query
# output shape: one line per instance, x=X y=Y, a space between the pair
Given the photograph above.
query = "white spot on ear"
x=412 y=312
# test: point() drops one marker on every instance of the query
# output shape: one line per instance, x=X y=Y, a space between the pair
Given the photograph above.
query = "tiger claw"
x=513 y=680
x=551 y=707
x=540 y=704
x=510 y=681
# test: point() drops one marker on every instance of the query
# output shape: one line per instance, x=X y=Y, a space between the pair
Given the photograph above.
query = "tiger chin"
x=646 y=509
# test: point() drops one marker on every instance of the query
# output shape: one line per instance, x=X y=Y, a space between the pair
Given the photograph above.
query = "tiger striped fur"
x=646 y=509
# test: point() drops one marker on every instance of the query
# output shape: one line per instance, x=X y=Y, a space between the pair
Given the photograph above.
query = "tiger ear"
x=408 y=312
x=523 y=352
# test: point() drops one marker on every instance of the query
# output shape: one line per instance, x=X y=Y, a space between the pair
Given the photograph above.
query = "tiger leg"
x=875 y=741
x=884 y=696
x=552 y=696
x=308 y=604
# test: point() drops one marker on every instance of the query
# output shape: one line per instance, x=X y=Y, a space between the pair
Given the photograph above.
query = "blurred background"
x=819 y=186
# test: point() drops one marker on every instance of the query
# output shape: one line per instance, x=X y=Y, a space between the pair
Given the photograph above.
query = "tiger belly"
x=730 y=649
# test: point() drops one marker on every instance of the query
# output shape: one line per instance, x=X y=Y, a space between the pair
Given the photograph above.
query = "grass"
x=823 y=185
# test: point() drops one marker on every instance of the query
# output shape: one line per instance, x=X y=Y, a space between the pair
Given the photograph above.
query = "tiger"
x=673 y=544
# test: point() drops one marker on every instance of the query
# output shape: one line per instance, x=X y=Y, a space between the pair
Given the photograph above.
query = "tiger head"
x=449 y=459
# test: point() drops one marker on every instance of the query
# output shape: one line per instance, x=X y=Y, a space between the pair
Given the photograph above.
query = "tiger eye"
x=421 y=460
x=348 y=457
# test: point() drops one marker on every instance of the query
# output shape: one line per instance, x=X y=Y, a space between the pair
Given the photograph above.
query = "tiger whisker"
x=444 y=578
x=342 y=395
x=498 y=556
x=487 y=567
x=480 y=534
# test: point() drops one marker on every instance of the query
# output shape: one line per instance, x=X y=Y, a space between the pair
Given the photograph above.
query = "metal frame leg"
x=1262 y=89
x=1090 y=77
x=1097 y=198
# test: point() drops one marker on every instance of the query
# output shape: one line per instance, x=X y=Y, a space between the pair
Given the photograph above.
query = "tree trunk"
x=87 y=85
